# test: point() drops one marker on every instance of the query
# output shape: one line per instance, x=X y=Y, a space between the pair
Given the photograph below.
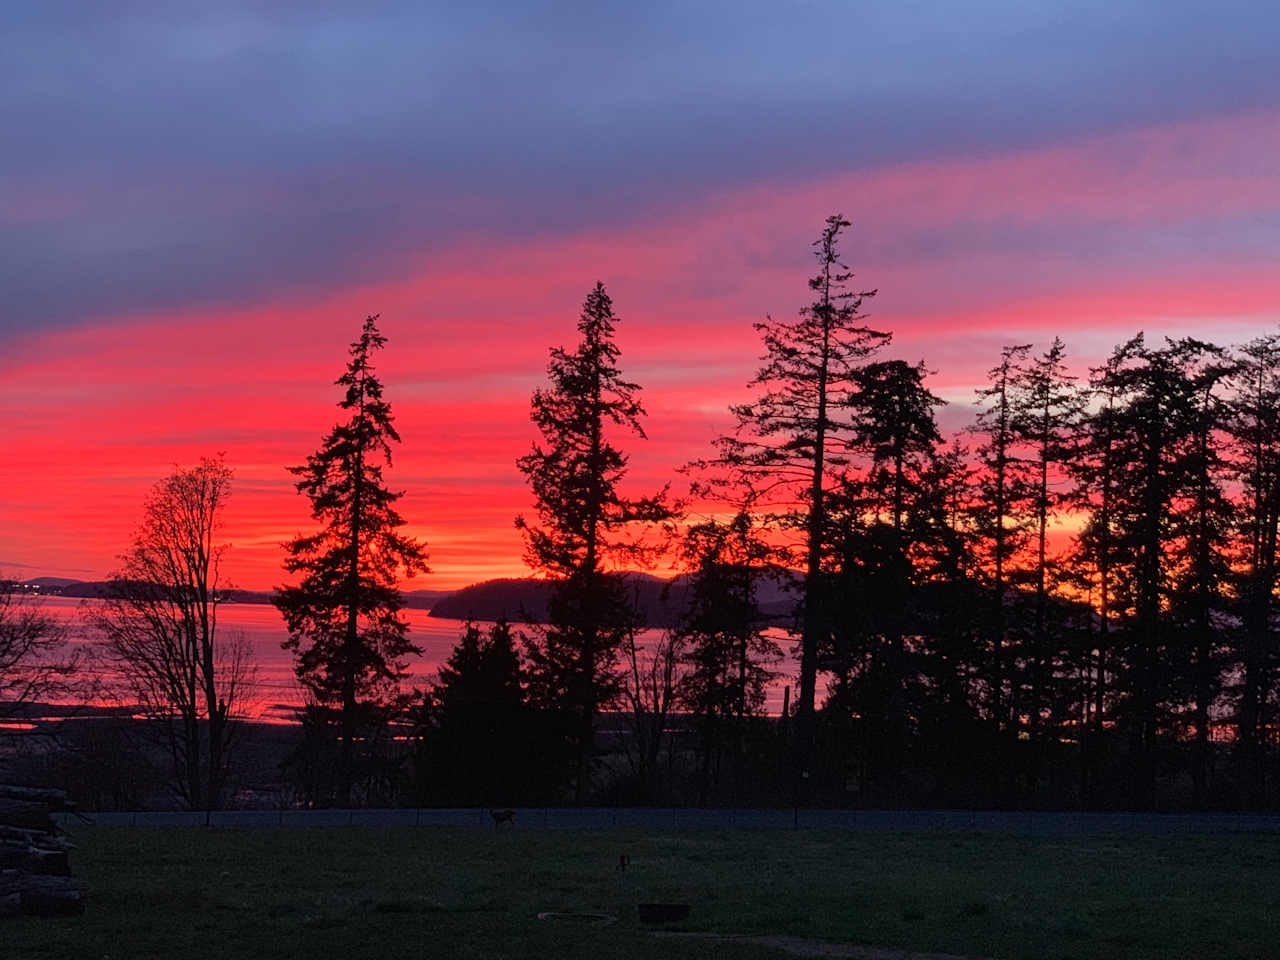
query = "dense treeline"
x=1070 y=603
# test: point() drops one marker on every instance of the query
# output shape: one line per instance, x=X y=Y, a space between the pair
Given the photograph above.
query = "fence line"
x=683 y=818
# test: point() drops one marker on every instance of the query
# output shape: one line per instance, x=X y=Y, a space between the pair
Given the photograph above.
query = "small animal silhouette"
x=503 y=816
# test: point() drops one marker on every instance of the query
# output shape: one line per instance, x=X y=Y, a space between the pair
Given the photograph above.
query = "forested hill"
x=520 y=600
x=659 y=601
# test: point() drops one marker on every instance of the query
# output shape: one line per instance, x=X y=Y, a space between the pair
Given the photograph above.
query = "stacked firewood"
x=35 y=875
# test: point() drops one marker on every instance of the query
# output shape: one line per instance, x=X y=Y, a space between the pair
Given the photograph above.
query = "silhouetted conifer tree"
x=1255 y=432
x=728 y=655
x=894 y=427
x=1153 y=426
x=1047 y=408
x=582 y=535
x=1097 y=469
x=895 y=431
x=1201 y=531
x=949 y=621
x=474 y=725
x=793 y=439
x=1003 y=515
x=344 y=617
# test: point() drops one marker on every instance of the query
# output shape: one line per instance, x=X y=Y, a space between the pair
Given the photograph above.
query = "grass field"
x=194 y=894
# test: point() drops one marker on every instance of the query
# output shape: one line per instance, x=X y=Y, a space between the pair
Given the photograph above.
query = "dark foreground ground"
x=455 y=892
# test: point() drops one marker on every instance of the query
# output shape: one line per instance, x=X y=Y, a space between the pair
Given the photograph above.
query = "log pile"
x=35 y=875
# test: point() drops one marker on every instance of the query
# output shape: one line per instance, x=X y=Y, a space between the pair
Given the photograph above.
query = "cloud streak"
x=165 y=155
x=1092 y=239
x=198 y=206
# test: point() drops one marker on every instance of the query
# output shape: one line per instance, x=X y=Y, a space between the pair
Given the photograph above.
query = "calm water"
x=277 y=692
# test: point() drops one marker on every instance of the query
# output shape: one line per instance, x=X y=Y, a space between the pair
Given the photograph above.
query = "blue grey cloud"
x=201 y=154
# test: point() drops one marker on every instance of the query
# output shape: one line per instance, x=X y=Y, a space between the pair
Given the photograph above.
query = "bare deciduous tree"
x=34 y=662
x=650 y=690
x=159 y=626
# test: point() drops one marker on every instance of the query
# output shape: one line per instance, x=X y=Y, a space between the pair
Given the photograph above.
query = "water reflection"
x=276 y=692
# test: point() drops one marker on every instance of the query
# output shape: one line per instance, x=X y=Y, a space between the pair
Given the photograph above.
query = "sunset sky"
x=199 y=203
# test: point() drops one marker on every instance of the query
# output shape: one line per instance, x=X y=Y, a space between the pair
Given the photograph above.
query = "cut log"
x=58 y=903
x=34 y=859
x=35 y=875
x=56 y=799
x=49 y=863
x=41 y=838
x=26 y=814
x=43 y=896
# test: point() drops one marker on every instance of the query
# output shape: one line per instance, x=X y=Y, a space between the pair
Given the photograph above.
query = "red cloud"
x=93 y=416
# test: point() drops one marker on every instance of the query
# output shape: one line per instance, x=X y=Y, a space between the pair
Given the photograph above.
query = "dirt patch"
x=802 y=947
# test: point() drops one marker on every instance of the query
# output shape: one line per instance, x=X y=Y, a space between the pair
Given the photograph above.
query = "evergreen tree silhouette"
x=474 y=748
x=896 y=433
x=1047 y=407
x=344 y=617
x=729 y=657
x=1255 y=433
x=793 y=439
x=585 y=530
x=1004 y=515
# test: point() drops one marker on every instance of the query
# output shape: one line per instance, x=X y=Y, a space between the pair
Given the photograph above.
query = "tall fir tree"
x=1255 y=437
x=344 y=618
x=1152 y=432
x=792 y=441
x=1046 y=417
x=1202 y=530
x=585 y=532
x=897 y=438
x=1096 y=471
x=1003 y=518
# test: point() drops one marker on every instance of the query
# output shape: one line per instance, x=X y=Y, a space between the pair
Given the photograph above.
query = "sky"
x=200 y=203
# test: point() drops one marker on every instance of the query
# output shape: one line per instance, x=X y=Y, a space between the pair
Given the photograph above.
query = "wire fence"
x=683 y=818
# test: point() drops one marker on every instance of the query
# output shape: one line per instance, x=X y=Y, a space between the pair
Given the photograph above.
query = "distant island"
x=518 y=599
x=97 y=589
x=660 y=602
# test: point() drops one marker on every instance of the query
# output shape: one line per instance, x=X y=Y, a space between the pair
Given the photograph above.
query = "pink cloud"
x=94 y=415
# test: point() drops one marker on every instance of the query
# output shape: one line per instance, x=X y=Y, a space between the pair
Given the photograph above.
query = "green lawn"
x=192 y=894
